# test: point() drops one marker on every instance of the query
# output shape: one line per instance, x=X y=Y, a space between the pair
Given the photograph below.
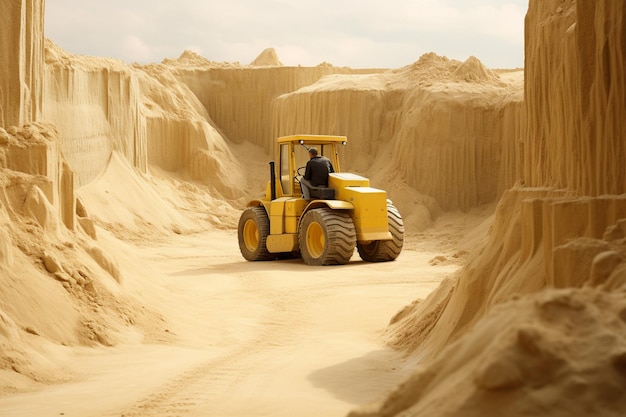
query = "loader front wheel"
x=253 y=229
x=326 y=237
x=385 y=250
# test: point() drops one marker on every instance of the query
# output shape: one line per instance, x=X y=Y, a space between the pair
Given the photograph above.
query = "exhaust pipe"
x=273 y=180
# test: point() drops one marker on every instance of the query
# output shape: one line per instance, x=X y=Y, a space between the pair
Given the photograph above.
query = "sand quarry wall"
x=178 y=116
x=575 y=136
x=447 y=128
x=33 y=149
x=21 y=49
x=535 y=324
x=94 y=103
x=550 y=227
x=571 y=182
x=456 y=146
x=451 y=127
x=239 y=98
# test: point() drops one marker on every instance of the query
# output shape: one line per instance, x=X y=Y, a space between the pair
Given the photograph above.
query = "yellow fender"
x=333 y=204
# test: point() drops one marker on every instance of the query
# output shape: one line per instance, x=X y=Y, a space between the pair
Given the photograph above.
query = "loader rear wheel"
x=385 y=250
x=326 y=237
x=253 y=229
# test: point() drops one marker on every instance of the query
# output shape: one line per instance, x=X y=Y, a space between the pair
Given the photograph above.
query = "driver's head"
x=312 y=152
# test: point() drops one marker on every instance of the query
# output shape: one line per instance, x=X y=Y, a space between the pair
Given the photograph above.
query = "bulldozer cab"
x=293 y=155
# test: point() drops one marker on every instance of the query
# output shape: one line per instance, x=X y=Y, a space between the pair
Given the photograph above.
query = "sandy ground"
x=255 y=339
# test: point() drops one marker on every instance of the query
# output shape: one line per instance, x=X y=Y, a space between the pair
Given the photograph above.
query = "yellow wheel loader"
x=326 y=229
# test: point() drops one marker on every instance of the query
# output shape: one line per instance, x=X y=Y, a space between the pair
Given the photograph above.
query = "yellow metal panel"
x=344 y=179
x=294 y=207
x=339 y=205
x=362 y=195
x=370 y=210
x=368 y=237
x=284 y=214
x=282 y=243
x=277 y=211
x=293 y=211
x=291 y=224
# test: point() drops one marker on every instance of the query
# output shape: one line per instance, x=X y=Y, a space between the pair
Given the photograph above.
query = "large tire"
x=385 y=250
x=326 y=237
x=253 y=229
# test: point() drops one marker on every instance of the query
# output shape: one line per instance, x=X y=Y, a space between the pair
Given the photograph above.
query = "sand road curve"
x=250 y=338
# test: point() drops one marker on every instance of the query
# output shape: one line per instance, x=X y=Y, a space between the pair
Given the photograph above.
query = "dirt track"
x=252 y=339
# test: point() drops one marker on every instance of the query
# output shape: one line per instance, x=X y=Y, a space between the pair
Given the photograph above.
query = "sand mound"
x=472 y=70
x=137 y=206
x=190 y=59
x=143 y=208
x=432 y=68
x=560 y=350
x=55 y=56
x=62 y=284
x=268 y=57
x=59 y=288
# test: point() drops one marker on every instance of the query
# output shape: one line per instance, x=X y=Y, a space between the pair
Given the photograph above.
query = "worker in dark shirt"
x=316 y=173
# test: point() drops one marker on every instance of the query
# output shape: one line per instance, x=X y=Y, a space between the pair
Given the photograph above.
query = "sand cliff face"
x=21 y=63
x=557 y=246
x=575 y=96
x=231 y=94
x=447 y=127
x=573 y=138
x=94 y=103
x=450 y=125
x=569 y=204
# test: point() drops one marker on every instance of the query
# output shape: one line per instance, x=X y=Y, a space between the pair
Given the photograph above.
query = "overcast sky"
x=358 y=34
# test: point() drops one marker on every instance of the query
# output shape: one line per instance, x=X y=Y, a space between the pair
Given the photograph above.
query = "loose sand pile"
x=268 y=57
